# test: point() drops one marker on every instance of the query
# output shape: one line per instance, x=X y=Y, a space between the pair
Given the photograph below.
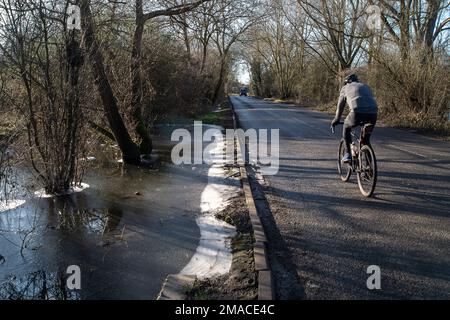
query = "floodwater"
x=126 y=230
x=125 y=244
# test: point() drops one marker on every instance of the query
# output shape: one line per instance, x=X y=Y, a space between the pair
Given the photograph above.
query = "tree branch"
x=175 y=10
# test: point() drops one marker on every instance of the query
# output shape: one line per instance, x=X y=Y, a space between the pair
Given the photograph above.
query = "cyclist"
x=363 y=110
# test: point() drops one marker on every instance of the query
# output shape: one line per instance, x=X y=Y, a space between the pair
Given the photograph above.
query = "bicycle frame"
x=358 y=140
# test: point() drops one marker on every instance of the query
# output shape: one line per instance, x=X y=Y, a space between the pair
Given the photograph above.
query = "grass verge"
x=220 y=117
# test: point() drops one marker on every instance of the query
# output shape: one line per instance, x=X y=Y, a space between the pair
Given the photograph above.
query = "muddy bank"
x=240 y=283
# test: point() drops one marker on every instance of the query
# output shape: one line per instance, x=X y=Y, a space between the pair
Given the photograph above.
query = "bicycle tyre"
x=345 y=170
x=368 y=190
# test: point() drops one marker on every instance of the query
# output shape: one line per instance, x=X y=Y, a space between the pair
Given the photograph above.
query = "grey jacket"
x=359 y=98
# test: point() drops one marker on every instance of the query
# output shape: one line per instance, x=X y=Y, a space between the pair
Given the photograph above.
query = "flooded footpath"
x=126 y=230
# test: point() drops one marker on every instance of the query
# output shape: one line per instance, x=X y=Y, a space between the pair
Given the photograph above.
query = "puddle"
x=126 y=228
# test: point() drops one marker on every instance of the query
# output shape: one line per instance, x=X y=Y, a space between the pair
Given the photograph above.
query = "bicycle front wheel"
x=344 y=169
x=368 y=171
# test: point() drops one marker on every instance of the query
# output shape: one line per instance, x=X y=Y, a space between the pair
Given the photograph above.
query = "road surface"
x=333 y=234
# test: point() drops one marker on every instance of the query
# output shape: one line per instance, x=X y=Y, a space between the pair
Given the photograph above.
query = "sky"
x=243 y=73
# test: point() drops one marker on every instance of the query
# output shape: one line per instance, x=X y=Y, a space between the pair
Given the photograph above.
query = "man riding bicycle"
x=363 y=110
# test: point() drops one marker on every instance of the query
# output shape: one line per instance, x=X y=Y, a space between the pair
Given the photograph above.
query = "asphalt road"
x=333 y=234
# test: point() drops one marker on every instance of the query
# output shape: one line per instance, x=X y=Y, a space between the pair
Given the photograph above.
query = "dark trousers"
x=355 y=120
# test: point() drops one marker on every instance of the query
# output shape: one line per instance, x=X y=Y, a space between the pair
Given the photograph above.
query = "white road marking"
x=411 y=152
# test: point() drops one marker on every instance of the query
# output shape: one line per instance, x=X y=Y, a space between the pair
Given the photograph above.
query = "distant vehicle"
x=244 y=92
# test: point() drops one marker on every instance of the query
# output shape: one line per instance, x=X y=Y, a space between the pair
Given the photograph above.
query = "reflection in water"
x=126 y=233
x=37 y=286
x=70 y=218
x=91 y=220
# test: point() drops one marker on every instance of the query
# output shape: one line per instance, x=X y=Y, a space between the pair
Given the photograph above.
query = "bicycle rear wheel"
x=368 y=171
x=344 y=169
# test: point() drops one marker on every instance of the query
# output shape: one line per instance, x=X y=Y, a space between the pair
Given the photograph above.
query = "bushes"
x=175 y=82
x=405 y=60
x=412 y=92
x=41 y=83
x=317 y=85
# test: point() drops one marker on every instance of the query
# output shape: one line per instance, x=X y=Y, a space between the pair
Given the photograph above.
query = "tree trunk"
x=130 y=151
x=74 y=63
x=204 y=56
x=220 y=82
x=187 y=41
x=431 y=21
x=145 y=145
x=404 y=26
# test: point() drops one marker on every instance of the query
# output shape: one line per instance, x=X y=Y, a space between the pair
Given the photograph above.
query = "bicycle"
x=364 y=161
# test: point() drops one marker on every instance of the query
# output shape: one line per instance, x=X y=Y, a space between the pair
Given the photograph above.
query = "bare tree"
x=136 y=61
x=413 y=22
x=231 y=21
x=45 y=62
x=339 y=30
x=204 y=28
x=281 y=47
x=130 y=151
